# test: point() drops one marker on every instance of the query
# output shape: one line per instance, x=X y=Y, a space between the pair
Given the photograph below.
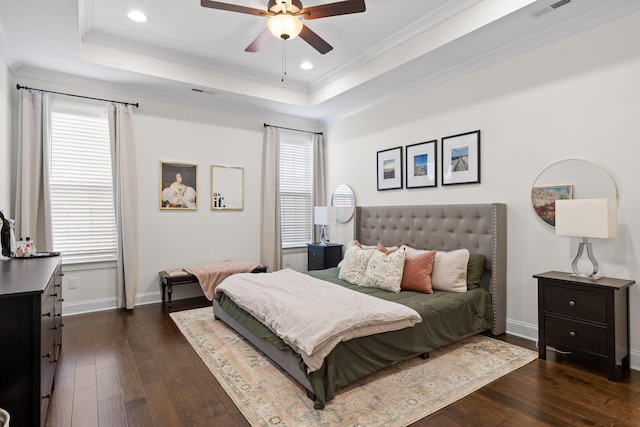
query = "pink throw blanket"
x=210 y=275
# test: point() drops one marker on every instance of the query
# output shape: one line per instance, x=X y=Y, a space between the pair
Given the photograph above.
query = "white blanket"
x=312 y=315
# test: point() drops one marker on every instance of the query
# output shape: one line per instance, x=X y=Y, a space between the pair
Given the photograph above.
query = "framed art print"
x=227 y=187
x=461 y=158
x=178 y=185
x=421 y=164
x=389 y=169
x=543 y=200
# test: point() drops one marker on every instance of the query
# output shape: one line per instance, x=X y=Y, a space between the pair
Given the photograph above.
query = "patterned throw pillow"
x=384 y=271
x=354 y=264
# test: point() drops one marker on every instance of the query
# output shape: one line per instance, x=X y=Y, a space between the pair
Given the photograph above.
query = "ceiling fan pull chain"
x=284 y=58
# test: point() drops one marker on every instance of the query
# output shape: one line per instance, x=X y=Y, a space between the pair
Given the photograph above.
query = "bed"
x=480 y=228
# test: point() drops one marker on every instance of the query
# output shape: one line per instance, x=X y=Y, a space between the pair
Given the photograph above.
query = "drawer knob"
x=572 y=303
x=572 y=334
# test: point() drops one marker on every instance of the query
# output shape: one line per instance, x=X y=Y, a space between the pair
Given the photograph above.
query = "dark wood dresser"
x=586 y=318
x=31 y=336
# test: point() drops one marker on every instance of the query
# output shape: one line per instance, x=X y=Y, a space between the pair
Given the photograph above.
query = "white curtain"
x=319 y=188
x=271 y=239
x=125 y=200
x=32 y=199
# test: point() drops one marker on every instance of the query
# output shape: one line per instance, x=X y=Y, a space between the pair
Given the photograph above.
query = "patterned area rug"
x=396 y=396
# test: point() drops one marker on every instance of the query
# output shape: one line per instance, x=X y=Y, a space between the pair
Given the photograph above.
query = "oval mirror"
x=344 y=201
x=570 y=179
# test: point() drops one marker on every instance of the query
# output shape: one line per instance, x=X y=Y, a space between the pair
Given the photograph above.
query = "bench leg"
x=169 y=292
x=163 y=286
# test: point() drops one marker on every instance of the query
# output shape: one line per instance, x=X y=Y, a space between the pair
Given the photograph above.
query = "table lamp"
x=596 y=218
x=324 y=215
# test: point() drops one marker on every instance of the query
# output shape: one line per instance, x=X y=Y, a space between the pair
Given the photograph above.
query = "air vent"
x=550 y=8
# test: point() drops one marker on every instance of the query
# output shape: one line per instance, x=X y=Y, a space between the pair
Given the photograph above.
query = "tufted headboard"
x=481 y=228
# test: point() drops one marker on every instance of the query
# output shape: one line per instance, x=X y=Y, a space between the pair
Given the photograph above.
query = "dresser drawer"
x=575 y=303
x=316 y=257
x=577 y=335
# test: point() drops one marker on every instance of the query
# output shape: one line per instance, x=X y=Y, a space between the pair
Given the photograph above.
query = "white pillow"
x=450 y=270
x=354 y=264
x=385 y=271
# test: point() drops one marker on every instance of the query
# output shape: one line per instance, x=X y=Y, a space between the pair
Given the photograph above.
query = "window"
x=83 y=215
x=296 y=188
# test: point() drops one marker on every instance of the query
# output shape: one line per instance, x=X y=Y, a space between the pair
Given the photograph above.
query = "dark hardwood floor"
x=134 y=368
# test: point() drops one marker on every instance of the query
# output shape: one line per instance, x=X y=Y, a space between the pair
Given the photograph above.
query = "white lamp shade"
x=284 y=24
x=586 y=218
x=324 y=215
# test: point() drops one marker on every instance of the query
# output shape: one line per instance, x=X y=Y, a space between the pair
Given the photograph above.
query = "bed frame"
x=480 y=228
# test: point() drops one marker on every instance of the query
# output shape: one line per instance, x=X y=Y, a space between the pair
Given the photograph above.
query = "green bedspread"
x=447 y=317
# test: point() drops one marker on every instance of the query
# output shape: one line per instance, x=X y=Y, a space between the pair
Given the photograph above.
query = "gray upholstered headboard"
x=481 y=228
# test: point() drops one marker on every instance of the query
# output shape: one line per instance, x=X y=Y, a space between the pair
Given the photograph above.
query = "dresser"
x=321 y=256
x=31 y=336
x=586 y=318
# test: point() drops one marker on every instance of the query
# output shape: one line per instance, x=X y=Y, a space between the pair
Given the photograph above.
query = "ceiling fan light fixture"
x=284 y=26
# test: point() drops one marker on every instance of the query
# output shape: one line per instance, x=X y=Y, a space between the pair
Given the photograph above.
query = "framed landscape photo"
x=389 y=169
x=461 y=158
x=543 y=200
x=178 y=185
x=227 y=187
x=421 y=164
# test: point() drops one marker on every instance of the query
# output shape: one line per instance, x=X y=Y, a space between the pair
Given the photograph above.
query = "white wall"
x=5 y=138
x=579 y=97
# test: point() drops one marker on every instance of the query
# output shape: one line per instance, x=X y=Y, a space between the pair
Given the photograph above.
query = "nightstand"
x=321 y=256
x=586 y=318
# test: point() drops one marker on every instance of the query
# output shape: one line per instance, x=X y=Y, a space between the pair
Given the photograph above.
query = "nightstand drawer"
x=321 y=256
x=575 y=303
x=577 y=335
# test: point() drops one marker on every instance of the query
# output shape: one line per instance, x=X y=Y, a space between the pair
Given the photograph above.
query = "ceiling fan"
x=284 y=22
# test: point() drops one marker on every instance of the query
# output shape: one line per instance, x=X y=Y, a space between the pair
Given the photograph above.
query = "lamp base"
x=594 y=264
x=323 y=236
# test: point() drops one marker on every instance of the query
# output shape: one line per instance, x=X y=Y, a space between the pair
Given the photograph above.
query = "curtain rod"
x=296 y=130
x=77 y=96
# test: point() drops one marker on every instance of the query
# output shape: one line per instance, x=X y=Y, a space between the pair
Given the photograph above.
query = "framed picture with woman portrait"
x=178 y=186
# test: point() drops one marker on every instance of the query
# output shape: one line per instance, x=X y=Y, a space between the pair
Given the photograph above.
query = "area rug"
x=396 y=396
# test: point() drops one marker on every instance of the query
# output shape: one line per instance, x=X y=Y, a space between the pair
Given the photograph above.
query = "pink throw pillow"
x=417 y=271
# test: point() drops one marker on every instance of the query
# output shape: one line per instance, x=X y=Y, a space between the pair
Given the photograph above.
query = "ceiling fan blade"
x=315 y=40
x=260 y=41
x=233 y=8
x=333 y=9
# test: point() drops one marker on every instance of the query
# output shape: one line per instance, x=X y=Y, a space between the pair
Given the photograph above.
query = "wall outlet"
x=73 y=282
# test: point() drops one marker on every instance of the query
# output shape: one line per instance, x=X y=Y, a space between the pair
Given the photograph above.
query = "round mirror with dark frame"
x=344 y=201
x=570 y=179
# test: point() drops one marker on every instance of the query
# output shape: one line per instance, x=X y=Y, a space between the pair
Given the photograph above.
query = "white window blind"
x=83 y=215
x=296 y=188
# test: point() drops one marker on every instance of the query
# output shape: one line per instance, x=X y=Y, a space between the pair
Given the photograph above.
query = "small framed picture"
x=543 y=200
x=178 y=185
x=461 y=158
x=227 y=187
x=421 y=164
x=389 y=169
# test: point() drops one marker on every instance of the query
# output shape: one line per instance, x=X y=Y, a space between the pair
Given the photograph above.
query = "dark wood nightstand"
x=586 y=318
x=321 y=256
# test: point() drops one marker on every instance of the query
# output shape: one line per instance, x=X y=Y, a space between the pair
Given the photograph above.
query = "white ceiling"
x=392 y=48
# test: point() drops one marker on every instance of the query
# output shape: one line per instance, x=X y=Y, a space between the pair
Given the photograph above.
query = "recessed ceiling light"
x=306 y=65
x=136 y=15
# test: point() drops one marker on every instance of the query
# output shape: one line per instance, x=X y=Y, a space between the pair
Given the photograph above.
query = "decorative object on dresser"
x=31 y=336
x=585 y=317
x=323 y=216
x=586 y=218
x=321 y=256
x=389 y=169
x=461 y=158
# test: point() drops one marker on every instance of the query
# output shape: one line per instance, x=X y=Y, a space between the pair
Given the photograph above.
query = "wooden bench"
x=169 y=278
